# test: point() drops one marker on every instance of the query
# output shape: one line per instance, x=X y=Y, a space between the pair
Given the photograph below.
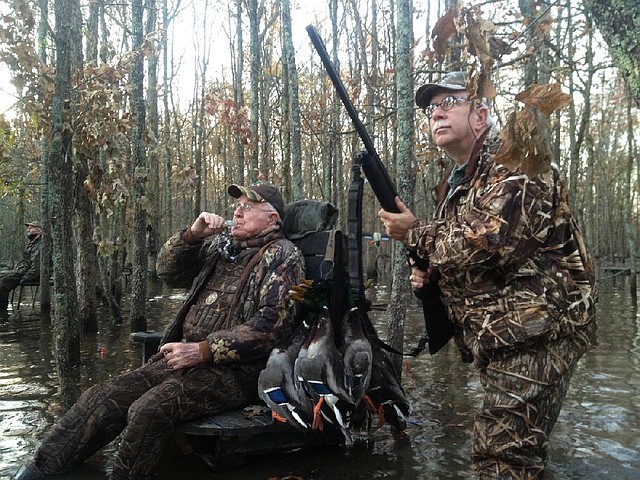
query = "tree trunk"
x=294 y=103
x=618 y=21
x=405 y=161
x=91 y=52
x=254 y=105
x=66 y=327
x=138 y=320
x=199 y=123
x=153 y=191
x=168 y=158
x=86 y=269
x=333 y=175
x=47 y=246
x=86 y=256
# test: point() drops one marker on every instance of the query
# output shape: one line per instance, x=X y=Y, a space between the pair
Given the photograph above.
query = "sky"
x=188 y=46
x=7 y=92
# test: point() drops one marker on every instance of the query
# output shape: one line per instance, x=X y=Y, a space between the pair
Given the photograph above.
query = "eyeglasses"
x=246 y=207
x=446 y=104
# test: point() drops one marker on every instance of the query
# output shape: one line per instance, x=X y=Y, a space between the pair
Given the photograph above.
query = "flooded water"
x=597 y=436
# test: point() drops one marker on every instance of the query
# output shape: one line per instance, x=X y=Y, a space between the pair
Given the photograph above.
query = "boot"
x=29 y=472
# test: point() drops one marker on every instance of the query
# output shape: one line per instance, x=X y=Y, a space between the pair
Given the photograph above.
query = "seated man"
x=210 y=357
x=28 y=269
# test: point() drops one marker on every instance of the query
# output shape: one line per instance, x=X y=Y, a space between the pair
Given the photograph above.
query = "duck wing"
x=356 y=354
x=385 y=395
x=276 y=384
x=320 y=371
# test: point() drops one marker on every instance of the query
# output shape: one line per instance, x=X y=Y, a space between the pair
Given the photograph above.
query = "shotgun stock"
x=439 y=328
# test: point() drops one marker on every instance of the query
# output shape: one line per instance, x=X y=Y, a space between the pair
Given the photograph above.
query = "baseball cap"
x=34 y=224
x=263 y=192
x=452 y=81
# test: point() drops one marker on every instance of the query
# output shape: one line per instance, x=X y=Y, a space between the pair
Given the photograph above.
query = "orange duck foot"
x=277 y=417
x=317 y=417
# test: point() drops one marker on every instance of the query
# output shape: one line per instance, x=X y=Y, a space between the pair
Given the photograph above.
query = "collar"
x=441 y=191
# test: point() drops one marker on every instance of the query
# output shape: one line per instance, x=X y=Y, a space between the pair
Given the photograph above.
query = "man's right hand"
x=397 y=224
x=419 y=278
x=207 y=224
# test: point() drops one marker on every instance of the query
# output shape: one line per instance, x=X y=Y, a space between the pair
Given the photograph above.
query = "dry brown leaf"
x=512 y=145
x=479 y=85
x=251 y=411
x=547 y=98
x=478 y=32
x=499 y=47
x=478 y=39
x=523 y=144
x=444 y=28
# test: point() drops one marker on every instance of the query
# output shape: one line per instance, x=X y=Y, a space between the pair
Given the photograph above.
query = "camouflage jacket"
x=265 y=313
x=512 y=262
x=29 y=266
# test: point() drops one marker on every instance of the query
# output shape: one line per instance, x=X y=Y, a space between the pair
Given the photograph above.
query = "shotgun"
x=439 y=328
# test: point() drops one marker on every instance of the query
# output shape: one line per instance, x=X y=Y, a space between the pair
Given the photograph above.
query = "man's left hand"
x=397 y=224
x=181 y=355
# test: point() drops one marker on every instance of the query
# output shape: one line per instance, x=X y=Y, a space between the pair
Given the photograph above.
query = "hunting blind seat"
x=225 y=440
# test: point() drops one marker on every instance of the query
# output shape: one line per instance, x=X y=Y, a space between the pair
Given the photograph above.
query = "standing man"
x=28 y=269
x=238 y=309
x=515 y=275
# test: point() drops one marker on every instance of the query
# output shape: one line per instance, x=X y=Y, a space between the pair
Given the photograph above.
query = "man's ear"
x=482 y=114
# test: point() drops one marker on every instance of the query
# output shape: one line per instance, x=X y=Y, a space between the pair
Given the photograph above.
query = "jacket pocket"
x=508 y=319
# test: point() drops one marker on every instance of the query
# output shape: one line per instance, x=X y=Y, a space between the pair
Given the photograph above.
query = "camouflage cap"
x=452 y=81
x=263 y=192
x=34 y=224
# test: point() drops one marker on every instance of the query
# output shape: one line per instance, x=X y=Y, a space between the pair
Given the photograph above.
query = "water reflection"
x=597 y=436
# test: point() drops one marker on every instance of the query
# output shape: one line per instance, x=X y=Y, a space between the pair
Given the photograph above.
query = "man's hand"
x=419 y=278
x=397 y=224
x=207 y=224
x=181 y=355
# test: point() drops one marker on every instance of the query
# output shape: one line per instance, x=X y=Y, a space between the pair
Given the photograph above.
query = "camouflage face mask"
x=226 y=248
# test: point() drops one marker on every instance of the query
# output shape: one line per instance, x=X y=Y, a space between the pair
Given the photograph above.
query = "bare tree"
x=293 y=105
x=66 y=326
x=153 y=192
x=139 y=282
x=47 y=246
x=254 y=77
x=86 y=267
x=332 y=176
x=238 y=94
x=199 y=133
x=405 y=161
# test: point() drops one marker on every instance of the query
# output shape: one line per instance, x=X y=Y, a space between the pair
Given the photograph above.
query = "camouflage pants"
x=144 y=405
x=523 y=393
x=7 y=283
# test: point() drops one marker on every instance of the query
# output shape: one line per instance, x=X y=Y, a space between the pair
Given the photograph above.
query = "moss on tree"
x=619 y=23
